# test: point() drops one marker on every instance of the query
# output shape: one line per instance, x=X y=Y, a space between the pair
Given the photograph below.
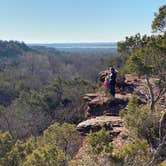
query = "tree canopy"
x=159 y=22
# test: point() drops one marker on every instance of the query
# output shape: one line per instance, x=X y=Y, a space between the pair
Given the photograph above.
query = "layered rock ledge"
x=112 y=123
x=99 y=104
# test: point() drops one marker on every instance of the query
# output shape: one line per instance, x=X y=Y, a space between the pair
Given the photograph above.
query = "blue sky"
x=47 y=21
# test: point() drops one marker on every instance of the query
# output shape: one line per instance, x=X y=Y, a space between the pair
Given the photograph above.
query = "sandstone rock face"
x=103 y=112
x=99 y=104
x=112 y=123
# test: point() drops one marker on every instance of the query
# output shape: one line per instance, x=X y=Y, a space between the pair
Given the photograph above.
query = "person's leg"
x=112 y=89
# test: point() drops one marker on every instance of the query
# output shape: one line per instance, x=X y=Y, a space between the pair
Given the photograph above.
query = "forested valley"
x=41 y=103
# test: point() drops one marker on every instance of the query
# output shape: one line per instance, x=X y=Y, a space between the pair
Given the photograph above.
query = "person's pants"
x=112 y=89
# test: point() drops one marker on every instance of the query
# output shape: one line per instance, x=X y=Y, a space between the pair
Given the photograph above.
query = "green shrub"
x=100 y=149
x=20 y=151
x=100 y=141
x=142 y=122
x=46 y=155
x=121 y=77
x=6 y=144
x=134 y=152
x=64 y=136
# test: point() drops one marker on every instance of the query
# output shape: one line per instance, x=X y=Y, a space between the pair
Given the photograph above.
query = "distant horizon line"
x=60 y=42
x=75 y=42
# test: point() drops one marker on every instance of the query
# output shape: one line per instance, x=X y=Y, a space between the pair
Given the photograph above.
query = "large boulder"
x=112 y=123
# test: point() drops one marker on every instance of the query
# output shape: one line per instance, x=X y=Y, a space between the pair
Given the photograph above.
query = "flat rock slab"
x=91 y=96
x=101 y=98
x=99 y=104
x=95 y=124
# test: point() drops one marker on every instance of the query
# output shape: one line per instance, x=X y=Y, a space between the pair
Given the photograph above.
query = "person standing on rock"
x=112 y=81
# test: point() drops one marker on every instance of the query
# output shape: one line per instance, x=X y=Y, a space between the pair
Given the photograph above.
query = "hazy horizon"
x=75 y=42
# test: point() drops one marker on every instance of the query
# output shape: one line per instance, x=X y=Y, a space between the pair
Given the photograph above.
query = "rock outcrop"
x=112 y=123
x=99 y=104
x=102 y=111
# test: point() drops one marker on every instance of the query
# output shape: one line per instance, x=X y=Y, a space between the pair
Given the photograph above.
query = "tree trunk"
x=152 y=99
x=159 y=155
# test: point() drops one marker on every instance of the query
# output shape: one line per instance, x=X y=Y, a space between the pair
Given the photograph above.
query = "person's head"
x=112 y=69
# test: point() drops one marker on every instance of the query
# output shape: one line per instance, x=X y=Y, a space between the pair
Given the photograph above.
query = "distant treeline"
x=12 y=48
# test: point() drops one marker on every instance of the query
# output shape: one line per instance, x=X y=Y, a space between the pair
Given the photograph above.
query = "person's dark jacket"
x=113 y=77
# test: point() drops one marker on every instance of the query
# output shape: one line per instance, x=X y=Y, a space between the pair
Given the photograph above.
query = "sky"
x=53 y=21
